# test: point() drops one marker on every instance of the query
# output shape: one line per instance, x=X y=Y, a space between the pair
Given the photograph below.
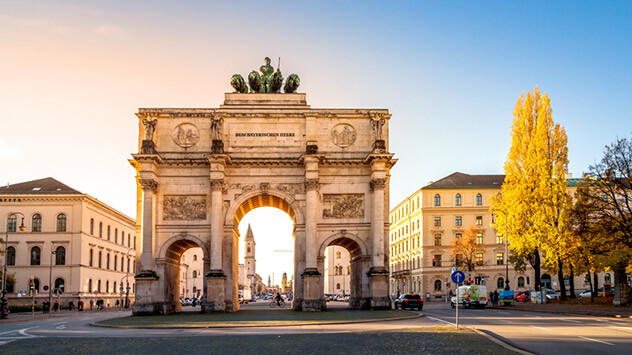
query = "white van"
x=471 y=296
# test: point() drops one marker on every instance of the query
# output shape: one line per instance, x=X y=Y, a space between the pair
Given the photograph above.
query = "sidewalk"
x=27 y=316
x=606 y=310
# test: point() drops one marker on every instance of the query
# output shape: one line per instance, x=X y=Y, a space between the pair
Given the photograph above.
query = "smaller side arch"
x=352 y=242
x=186 y=240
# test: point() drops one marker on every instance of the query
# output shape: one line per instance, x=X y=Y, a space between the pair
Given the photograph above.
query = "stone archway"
x=202 y=170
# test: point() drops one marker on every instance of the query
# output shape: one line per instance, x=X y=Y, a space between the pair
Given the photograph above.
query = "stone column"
x=378 y=273
x=312 y=300
x=311 y=217
x=215 y=278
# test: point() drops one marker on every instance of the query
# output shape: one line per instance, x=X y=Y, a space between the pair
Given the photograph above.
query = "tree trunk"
x=595 y=284
x=560 y=278
x=620 y=287
x=572 y=282
x=534 y=260
x=592 y=291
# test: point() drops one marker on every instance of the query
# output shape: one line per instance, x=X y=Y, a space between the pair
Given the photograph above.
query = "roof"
x=45 y=186
x=249 y=234
x=467 y=181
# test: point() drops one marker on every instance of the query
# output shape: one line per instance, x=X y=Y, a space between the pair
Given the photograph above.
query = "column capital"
x=148 y=184
x=311 y=184
x=217 y=184
x=378 y=183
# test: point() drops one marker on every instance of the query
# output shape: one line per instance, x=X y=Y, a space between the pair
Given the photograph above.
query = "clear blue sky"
x=74 y=72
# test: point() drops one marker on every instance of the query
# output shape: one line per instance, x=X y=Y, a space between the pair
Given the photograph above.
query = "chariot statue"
x=266 y=80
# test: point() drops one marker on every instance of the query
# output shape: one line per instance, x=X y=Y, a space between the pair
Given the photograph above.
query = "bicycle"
x=274 y=304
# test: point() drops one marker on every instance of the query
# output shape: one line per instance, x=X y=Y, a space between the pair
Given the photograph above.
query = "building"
x=337 y=271
x=192 y=280
x=85 y=247
x=250 y=266
x=425 y=225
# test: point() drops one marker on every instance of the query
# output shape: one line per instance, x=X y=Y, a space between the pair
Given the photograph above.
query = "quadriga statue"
x=254 y=80
x=239 y=84
x=292 y=83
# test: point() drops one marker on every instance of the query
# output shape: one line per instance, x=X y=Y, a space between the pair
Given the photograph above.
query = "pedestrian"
x=496 y=298
x=91 y=304
x=56 y=306
x=80 y=306
x=71 y=305
x=117 y=303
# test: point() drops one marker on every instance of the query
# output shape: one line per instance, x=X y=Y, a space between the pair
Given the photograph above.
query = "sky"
x=73 y=73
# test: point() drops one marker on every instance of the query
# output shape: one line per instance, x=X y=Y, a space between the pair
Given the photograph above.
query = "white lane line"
x=570 y=320
x=440 y=320
x=10 y=331
x=598 y=341
x=504 y=321
x=23 y=331
x=533 y=326
x=626 y=328
x=61 y=322
x=61 y=327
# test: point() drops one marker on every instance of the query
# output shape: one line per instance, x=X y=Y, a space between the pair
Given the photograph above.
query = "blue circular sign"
x=458 y=277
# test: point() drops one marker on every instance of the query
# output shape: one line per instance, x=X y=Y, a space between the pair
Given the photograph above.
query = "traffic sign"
x=404 y=283
x=453 y=270
x=458 y=277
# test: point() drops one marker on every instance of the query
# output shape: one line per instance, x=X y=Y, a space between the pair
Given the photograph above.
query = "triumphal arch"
x=200 y=170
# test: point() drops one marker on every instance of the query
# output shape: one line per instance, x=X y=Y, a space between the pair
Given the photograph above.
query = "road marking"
x=440 y=320
x=61 y=322
x=504 y=321
x=61 y=327
x=626 y=328
x=533 y=326
x=598 y=341
x=10 y=331
x=570 y=320
x=23 y=331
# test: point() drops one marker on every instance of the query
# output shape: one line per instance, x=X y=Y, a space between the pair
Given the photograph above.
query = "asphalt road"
x=544 y=333
x=541 y=333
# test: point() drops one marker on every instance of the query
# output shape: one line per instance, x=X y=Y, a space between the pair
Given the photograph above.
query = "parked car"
x=586 y=294
x=471 y=296
x=410 y=301
x=523 y=297
x=550 y=294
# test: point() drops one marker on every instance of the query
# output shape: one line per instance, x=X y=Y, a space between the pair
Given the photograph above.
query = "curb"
x=505 y=343
x=258 y=326
x=618 y=316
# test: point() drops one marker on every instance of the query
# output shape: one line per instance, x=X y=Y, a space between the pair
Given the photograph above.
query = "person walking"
x=91 y=304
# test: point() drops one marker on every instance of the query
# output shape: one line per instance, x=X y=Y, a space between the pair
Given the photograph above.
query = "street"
x=540 y=333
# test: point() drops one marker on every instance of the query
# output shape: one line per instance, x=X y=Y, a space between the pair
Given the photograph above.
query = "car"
x=410 y=301
x=586 y=294
x=471 y=296
x=523 y=296
x=550 y=294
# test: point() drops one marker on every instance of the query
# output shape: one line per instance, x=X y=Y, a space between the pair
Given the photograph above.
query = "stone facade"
x=425 y=224
x=337 y=271
x=93 y=243
x=191 y=267
x=328 y=169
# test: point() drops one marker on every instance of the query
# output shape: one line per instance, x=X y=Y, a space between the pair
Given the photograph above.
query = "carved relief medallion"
x=186 y=135
x=184 y=207
x=343 y=135
x=343 y=206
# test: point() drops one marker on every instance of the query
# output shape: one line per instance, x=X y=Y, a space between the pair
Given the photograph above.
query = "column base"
x=378 y=278
x=311 y=291
x=214 y=298
x=360 y=303
x=147 y=294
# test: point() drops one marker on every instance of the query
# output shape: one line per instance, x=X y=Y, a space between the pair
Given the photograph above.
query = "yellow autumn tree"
x=533 y=203
x=465 y=248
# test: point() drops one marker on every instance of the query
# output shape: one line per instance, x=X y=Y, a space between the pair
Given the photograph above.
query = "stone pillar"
x=378 y=273
x=311 y=276
x=147 y=292
x=215 y=278
x=311 y=210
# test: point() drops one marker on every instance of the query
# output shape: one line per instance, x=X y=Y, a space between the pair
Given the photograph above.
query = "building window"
x=35 y=285
x=36 y=254
x=127 y=264
x=100 y=258
x=587 y=279
x=115 y=264
x=12 y=224
x=194 y=257
x=99 y=286
x=500 y=259
x=437 y=240
x=436 y=261
x=606 y=279
x=348 y=269
x=437 y=200
x=479 y=239
x=91 y=228
x=90 y=286
x=458 y=221
x=107 y=261
x=337 y=286
x=457 y=200
x=499 y=239
x=134 y=246
x=479 y=258
x=479 y=200
x=479 y=220
x=437 y=285
x=458 y=235
x=61 y=222
x=59 y=285
x=194 y=274
x=100 y=229
x=36 y=225
x=115 y=236
x=500 y=283
x=437 y=221
x=10 y=256
x=458 y=259
x=60 y=256
x=521 y=281
x=107 y=286
x=122 y=263
x=108 y=232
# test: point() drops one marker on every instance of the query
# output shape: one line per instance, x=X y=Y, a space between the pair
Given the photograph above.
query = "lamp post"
x=50 y=282
x=4 y=305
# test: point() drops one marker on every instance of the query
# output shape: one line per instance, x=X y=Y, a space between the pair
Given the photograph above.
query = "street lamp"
x=50 y=282
x=126 y=278
x=4 y=305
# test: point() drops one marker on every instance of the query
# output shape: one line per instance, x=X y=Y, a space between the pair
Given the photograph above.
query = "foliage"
x=467 y=248
x=10 y=280
x=533 y=201
x=19 y=309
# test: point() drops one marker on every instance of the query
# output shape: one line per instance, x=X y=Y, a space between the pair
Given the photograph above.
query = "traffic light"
x=434 y=262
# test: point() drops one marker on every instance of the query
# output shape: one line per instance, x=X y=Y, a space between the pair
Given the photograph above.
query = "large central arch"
x=200 y=171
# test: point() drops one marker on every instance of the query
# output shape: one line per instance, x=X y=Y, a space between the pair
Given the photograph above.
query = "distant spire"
x=249 y=234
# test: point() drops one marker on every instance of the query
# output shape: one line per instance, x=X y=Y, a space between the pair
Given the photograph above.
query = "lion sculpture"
x=239 y=84
x=277 y=81
x=254 y=80
x=292 y=83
